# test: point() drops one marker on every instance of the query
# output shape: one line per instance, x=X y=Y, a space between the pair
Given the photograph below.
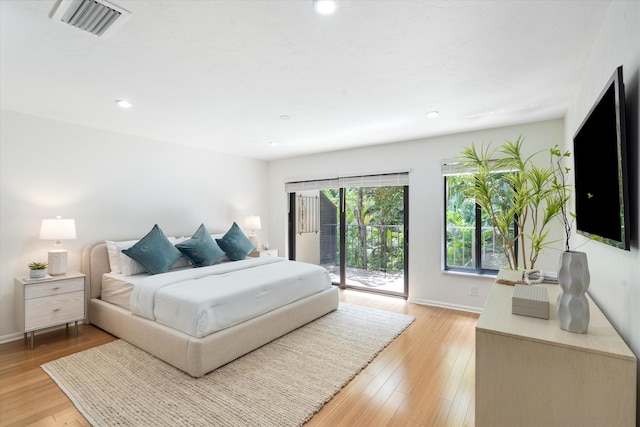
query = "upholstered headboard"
x=95 y=262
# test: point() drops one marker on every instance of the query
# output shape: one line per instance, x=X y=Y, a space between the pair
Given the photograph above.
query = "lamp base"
x=57 y=262
x=254 y=240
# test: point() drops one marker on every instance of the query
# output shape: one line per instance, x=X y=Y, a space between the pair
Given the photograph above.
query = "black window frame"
x=477 y=268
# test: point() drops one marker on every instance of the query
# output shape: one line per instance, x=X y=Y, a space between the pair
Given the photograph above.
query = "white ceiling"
x=220 y=74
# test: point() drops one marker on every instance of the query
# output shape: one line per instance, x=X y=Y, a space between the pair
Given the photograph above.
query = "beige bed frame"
x=195 y=356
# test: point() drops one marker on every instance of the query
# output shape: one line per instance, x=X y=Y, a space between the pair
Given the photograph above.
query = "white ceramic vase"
x=572 y=305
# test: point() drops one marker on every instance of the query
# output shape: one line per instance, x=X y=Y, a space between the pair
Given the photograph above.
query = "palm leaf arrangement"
x=534 y=197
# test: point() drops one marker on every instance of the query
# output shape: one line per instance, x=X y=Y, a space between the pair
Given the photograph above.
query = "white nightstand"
x=51 y=302
x=263 y=252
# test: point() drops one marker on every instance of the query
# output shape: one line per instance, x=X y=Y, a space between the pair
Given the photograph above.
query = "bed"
x=203 y=349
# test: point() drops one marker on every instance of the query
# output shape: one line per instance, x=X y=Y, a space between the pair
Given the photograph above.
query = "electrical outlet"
x=473 y=290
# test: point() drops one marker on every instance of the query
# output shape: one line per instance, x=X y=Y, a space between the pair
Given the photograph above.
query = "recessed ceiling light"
x=433 y=114
x=124 y=103
x=325 y=7
x=273 y=144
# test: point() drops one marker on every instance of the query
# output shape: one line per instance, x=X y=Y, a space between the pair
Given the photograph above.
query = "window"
x=470 y=241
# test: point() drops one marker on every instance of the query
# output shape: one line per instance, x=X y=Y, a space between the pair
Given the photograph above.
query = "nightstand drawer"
x=53 y=310
x=38 y=290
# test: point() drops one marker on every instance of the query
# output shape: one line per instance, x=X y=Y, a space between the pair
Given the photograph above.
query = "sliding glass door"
x=374 y=223
x=359 y=233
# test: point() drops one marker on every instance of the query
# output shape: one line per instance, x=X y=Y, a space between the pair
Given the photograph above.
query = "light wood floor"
x=425 y=377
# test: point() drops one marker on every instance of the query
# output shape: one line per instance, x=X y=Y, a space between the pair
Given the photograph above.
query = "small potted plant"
x=37 y=269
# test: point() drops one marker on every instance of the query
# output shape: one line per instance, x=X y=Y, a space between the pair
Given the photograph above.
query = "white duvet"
x=201 y=301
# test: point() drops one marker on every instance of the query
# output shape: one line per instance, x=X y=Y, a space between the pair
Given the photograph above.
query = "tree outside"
x=374 y=227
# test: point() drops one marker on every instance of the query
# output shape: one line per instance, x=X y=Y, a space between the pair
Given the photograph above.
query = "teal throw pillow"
x=200 y=248
x=154 y=252
x=235 y=244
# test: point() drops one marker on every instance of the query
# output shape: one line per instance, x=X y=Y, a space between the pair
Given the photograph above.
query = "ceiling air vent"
x=97 y=17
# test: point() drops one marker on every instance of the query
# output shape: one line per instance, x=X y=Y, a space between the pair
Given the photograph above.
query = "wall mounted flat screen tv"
x=600 y=168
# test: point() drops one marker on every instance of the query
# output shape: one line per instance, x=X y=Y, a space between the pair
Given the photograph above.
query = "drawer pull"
x=56 y=288
x=55 y=310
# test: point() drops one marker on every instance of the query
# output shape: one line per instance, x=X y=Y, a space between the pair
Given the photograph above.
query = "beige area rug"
x=280 y=384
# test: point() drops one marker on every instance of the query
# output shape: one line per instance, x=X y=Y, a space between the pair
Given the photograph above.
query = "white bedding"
x=201 y=301
x=117 y=288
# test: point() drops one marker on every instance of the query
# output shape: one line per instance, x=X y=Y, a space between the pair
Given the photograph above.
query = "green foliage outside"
x=461 y=223
x=374 y=227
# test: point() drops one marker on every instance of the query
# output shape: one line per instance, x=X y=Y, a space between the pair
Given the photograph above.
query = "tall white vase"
x=572 y=304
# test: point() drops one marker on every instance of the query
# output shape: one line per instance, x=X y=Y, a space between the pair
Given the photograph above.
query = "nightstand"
x=50 y=302
x=263 y=252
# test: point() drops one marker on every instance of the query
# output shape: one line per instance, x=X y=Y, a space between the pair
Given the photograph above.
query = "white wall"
x=615 y=274
x=115 y=186
x=427 y=283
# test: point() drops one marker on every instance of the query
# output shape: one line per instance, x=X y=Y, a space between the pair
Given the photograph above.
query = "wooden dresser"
x=529 y=372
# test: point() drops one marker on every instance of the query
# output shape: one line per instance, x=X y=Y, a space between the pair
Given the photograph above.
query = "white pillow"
x=129 y=266
x=115 y=252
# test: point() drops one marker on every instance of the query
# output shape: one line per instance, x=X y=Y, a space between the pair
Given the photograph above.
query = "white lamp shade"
x=252 y=222
x=58 y=229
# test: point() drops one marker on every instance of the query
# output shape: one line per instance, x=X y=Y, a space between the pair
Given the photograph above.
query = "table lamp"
x=252 y=222
x=57 y=229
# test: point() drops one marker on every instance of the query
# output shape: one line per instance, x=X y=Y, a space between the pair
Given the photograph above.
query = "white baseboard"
x=11 y=337
x=20 y=335
x=446 y=305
